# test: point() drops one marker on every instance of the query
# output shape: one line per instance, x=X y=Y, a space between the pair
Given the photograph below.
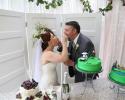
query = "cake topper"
x=85 y=56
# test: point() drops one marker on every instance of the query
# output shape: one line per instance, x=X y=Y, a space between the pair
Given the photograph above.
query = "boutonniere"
x=76 y=47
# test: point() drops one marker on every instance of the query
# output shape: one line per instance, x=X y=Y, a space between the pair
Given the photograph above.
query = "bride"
x=49 y=59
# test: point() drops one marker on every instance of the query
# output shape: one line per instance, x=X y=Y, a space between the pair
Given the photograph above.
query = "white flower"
x=76 y=46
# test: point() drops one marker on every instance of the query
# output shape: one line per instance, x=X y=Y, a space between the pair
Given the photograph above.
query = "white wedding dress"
x=48 y=76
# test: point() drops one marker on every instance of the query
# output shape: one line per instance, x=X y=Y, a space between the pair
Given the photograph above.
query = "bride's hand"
x=65 y=38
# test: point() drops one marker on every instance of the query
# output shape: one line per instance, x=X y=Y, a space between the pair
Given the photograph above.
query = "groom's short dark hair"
x=74 y=24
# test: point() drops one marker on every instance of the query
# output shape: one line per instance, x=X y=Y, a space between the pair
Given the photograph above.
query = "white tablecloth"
x=103 y=92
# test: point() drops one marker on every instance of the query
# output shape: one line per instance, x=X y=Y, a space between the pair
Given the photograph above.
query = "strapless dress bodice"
x=48 y=75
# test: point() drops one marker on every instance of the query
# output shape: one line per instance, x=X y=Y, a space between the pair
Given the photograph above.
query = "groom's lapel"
x=79 y=39
x=75 y=52
x=78 y=48
x=79 y=42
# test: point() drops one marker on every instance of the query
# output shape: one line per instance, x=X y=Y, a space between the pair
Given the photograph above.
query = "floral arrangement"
x=116 y=65
x=40 y=29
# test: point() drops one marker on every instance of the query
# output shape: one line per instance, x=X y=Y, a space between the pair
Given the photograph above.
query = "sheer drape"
x=37 y=60
x=112 y=45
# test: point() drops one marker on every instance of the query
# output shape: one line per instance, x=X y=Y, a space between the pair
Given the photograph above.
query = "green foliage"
x=86 y=6
x=106 y=9
x=48 y=5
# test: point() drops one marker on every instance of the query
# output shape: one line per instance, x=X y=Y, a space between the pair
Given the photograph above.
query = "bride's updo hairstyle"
x=46 y=38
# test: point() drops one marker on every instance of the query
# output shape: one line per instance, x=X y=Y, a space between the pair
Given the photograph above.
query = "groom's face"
x=69 y=31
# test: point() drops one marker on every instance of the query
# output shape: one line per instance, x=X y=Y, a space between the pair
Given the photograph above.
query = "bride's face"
x=54 y=40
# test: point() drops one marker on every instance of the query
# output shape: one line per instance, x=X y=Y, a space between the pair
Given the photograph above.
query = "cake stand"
x=90 y=66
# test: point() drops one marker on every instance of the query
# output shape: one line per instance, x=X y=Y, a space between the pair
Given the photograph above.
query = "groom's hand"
x=69 y=62
x=70 y=65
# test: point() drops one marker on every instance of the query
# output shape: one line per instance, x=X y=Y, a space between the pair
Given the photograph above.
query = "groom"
x=78 y=43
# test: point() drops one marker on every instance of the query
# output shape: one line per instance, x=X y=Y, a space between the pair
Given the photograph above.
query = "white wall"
x=12 y=50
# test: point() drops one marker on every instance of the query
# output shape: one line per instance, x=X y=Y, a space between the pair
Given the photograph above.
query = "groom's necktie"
x=72 y=49
x=71 y=68
x=73 y=44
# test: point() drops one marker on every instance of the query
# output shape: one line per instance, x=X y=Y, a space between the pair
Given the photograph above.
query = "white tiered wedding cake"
x=29 y=91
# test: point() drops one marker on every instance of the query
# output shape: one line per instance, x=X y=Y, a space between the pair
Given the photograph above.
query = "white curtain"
x=69 y=6
x=112 y=45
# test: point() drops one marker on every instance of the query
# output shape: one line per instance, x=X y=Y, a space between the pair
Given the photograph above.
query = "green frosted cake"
x=117 y=75
x=91 y=65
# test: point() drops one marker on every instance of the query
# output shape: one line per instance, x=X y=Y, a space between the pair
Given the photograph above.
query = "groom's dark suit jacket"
x=84 y=44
